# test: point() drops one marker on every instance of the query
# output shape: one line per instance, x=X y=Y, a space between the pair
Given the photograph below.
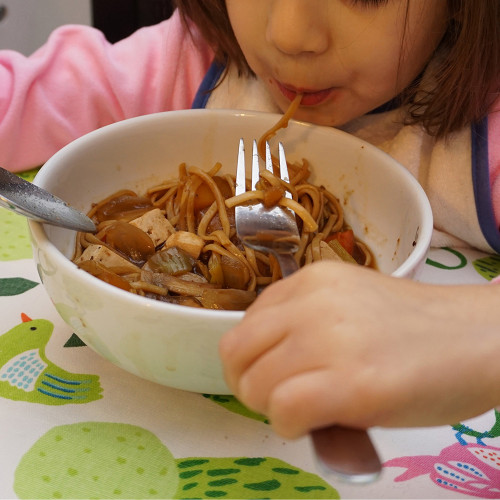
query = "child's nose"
x=298 y=26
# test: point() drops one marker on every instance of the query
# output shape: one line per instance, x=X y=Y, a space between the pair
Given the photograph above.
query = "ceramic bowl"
x=177 y=345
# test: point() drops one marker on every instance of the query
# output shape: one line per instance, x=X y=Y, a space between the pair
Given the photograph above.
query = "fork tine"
x=255 y=166
x=284 y=168
x=269 y=158
x=240 y=187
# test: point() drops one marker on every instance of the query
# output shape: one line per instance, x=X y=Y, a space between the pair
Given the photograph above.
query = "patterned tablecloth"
x=115 y=435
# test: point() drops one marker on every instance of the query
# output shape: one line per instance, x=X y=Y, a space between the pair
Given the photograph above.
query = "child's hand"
x=339 y=344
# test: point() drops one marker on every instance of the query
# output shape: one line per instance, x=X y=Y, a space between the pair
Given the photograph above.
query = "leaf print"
x=15 y=286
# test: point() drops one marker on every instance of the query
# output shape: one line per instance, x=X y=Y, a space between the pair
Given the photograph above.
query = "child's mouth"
x=309 y=97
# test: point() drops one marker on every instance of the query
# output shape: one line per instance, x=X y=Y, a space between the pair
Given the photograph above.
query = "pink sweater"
x=78 y=82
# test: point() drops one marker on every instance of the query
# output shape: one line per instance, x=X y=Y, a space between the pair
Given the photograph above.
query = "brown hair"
x=467 y=78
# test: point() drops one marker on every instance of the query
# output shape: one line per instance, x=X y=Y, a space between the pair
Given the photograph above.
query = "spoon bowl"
x=29 y=200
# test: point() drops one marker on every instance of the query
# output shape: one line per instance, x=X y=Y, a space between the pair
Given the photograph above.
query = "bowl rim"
x=37 y=228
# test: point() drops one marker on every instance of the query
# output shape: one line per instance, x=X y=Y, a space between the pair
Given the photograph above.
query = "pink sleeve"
x=494 y=158
x=78 y=82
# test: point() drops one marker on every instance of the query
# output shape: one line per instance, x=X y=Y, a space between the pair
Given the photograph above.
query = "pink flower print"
x=470 y=469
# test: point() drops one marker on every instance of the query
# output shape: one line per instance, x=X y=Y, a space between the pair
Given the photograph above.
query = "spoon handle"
x=29 y=200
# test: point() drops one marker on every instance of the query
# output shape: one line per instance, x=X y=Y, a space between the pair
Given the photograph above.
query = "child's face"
x=347 y=56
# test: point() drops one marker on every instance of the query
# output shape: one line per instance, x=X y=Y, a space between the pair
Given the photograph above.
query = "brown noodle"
x=221 y=273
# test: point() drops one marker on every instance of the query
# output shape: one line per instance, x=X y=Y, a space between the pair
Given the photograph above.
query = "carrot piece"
x=345 y=238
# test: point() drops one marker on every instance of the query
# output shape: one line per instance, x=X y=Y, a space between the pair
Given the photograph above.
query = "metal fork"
x=346 y=452
x=267 y=230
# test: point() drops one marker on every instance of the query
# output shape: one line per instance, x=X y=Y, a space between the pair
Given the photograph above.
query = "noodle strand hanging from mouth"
x=177 y=243
x=282 y=123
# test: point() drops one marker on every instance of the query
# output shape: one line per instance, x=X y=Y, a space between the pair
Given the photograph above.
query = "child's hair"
x=467 y=77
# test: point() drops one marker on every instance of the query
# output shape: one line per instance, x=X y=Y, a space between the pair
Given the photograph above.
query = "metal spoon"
x=25 y=198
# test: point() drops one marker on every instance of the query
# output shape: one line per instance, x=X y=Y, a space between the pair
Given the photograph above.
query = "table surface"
x=130 y=438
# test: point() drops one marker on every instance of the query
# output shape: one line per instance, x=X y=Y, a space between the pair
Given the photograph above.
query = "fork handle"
x=346 y=452
x=287 y=262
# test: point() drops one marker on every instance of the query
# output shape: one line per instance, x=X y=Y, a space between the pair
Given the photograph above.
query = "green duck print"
x=27 y=375
x=115 y=460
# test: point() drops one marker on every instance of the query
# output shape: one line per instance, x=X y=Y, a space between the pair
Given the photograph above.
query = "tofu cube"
x=191 y=243
x=103 y=255
x=155 y=225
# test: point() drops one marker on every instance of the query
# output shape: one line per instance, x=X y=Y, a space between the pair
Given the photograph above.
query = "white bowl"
x=177 y=345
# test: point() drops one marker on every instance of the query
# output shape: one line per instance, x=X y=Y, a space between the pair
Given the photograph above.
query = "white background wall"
x=28 y=23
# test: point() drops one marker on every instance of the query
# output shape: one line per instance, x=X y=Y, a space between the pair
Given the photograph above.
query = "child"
x=419 y=79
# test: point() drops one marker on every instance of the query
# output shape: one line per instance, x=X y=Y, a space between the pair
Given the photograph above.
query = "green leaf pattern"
x=15 y=286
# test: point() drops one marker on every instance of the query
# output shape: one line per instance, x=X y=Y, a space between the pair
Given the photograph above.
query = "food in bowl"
x=177 y=242
x=174 y=345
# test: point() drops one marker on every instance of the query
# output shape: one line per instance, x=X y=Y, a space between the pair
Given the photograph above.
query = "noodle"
x=282 y=123
x=178 y=243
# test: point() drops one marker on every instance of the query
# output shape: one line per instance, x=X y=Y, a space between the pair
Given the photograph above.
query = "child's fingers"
x=312 y=400
x=256 y=334
x=260 y=326
x=295 y=353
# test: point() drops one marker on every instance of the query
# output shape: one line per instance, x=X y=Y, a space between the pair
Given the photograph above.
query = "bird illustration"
x=27 y=375
x=117 y=460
